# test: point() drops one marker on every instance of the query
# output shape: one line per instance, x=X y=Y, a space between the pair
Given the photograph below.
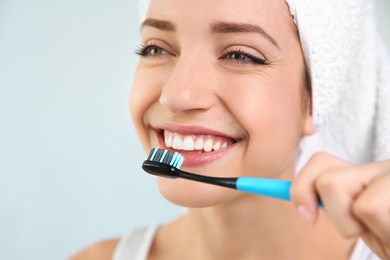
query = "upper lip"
x=193 y=130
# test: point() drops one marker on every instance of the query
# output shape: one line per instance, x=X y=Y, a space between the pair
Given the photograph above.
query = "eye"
x=151 y=50
x=243 y=57
x=239 y=57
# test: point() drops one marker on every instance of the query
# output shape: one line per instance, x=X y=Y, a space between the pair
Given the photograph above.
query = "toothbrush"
x=165 y=163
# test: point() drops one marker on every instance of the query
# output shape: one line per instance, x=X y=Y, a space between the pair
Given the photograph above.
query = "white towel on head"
x=143 y=6
x=350 y=74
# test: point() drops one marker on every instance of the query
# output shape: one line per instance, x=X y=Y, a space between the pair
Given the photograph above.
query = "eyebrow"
x=232 y=27
x=159 y=24
x=216 y=27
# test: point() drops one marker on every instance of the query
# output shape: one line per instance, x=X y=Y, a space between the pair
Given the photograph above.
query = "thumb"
x=303 y=192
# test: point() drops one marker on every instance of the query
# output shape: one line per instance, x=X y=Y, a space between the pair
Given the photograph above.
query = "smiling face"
x=222 y=82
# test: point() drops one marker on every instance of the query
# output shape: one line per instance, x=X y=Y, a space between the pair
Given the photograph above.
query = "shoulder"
x=99 y=251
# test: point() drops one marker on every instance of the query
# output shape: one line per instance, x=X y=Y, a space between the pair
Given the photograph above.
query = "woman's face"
x=222 y=82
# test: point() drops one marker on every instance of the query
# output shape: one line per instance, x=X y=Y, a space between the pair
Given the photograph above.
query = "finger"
x=337 y=188
x=303 y=193
x=372 y=207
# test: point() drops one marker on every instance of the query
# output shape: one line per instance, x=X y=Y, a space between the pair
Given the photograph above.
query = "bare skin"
x=103 y=250
x=201 y=69
x=207 y=234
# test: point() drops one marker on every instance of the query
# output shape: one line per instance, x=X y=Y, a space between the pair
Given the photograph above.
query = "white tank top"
x=136 y=243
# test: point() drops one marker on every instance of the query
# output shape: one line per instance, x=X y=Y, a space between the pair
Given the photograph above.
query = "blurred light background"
x=70 y=163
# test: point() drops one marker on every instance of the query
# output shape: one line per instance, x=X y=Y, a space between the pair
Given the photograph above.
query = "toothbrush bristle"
x=167 y=157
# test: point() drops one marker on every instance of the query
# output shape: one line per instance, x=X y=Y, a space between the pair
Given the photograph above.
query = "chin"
x=191 y=194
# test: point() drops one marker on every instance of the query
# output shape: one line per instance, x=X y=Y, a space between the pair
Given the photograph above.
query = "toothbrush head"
x=163 y=163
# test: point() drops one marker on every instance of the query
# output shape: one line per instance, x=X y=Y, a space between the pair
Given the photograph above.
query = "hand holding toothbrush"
x=356 y=198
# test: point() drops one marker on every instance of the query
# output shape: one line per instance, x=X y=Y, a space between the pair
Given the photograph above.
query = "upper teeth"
x=195 y=142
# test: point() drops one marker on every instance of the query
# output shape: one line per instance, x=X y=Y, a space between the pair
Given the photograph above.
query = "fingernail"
x=306 y=216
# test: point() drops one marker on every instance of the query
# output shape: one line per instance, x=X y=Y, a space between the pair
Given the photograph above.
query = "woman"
x=227 y=84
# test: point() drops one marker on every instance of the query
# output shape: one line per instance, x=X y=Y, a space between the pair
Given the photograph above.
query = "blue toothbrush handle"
x=279 y=189
x=274 y=188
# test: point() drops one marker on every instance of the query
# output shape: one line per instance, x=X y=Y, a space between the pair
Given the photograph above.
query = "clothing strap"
x=135 y=245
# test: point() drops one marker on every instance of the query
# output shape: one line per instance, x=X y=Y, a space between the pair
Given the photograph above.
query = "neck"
x=253 y=226
x=261 y=224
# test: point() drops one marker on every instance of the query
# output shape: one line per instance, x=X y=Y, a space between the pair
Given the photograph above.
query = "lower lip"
x=194 y=159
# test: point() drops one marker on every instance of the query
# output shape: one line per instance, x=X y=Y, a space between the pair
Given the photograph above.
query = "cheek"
x=269 y=109
x=144 y=93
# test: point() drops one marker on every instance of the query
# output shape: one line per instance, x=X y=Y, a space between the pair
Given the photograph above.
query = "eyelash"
x=142 y=51
x=252 y=59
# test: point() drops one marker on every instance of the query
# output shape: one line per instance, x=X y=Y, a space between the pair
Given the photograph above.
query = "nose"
x=189 y=86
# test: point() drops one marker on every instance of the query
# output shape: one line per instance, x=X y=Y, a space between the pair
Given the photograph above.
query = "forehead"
x=265 y=11
x=195 y=20
x=272 y=15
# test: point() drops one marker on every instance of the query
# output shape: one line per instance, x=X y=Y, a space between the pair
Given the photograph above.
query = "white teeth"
x=217 y=146
x=205 y=143
x=168 y=140
x=199 y=144
x=188 y=143
x=177 y=143
x=208 y=145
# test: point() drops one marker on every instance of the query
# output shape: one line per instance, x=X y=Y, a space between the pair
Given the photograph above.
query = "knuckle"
x=367 y=208
x=326 y=183
x=350 y=232
x=320 y=157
